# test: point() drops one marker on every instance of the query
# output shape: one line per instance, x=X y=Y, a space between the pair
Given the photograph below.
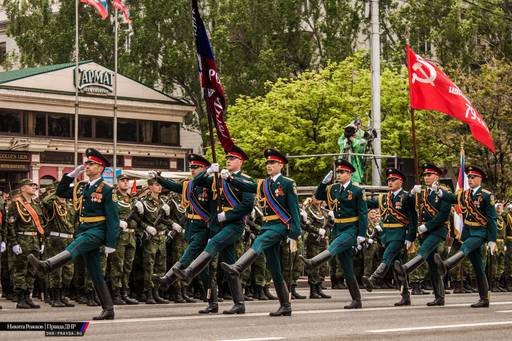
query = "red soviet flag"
x=431 y=89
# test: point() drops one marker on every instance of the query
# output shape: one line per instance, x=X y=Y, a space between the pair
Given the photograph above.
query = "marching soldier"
x=99 y=225
x=433 y=217
x=155 y=234
x=477 y=206
x=507 y=274
x=25 y=233
x=60 y=230
x=195 y=200
x=277 y=196
x=399 y=229
x=496 y=262
x=226 y=228
x=121 y=261
x=351 y=221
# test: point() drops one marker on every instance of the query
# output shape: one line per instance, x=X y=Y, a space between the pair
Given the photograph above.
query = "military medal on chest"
x=349 y=195
x=398 y=204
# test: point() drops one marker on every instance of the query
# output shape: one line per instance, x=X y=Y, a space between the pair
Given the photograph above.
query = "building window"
x=85 y=127
x=104 y=128
x=127 y=130
x=61 y=158
x=59 y=125
x=166 y=133
x=150 y=162
x=11 y=122
x=39 y=124
x=180 y=164
x=3 y=51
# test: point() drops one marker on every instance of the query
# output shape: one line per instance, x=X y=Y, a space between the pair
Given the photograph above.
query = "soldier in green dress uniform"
x=99 y=225
x=477 y=206
x=399 y=229
x=351 y=221
x=433 y=216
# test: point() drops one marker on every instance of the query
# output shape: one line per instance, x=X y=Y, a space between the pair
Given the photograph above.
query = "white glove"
x=225 y=174
x=152 y=174
x=151 y=230
x=331 y=214
x=214 y=168
x=169 y=234
x=177 y=227
x=359 y=247
x=17 y=249
x=370 y=241
x=166 y=209
x=422 y=229
x=221 y=217
x=2 y=247
x=41 y=250
x=378 y=228
x=360 y=240
x=327 y=178
x=123 y=225
x=505 y=248
x=416 y=189
x=492 y=247
x=109 y=250
x=436 y=186
x=76 y=172
x=407 y=244
x=304 y=215
x=321 y=232
x=140 y=207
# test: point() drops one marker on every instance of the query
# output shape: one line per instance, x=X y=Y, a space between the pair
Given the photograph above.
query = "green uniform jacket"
x=484 y=203
x=55 y=222
x=22 y=223
x=125 y=204
x=286 y=195
x=151 y=212
x=347 y=203
x=508 y=224
x=433 y=212
x=202 y=194
x=107 y=230
x=235 y=215
x=403 y=203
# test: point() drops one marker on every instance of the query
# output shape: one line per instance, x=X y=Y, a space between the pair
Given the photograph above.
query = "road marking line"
x=295 y=312
x=449 y=326
x=257 y=339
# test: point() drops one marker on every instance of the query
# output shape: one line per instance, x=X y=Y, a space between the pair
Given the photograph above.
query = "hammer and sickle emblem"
x=429 y=75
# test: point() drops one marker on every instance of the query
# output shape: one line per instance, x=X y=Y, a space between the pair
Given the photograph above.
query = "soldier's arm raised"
x=170 y=184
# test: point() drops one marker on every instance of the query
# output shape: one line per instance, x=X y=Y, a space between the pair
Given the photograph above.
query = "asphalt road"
x=312 y=319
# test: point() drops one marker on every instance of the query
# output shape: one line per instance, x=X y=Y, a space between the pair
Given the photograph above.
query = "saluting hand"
x=328 y=178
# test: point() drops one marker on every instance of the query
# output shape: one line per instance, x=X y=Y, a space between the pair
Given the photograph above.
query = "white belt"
x=61 y=235
x=32 y=234
x=127 y=230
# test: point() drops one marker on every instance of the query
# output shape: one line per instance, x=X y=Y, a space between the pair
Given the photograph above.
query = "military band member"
x=277 y=196
x=350 y=222
x=99 y=225
x=477 y=206
x=195 y=200
x=399 y=228
x=121 y=261
x=25 y=234
x=433 y=216
x=226 y=228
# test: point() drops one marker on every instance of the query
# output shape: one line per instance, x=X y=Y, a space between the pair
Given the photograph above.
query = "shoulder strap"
x=33 y=214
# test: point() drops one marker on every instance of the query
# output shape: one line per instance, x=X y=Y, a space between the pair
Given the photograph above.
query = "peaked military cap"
x=474 y=170
x=238 y=153
x=197 y=160
x=344 y=165
x=123 y=177
x=430 y=168
x=24 y=182
x=272 y=154
x=394 y=173
x=95 y=156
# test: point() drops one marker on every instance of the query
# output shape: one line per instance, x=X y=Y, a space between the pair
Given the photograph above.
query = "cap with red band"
x=238 y=153
x=272 y=154
x=430 y=168
x=474 y=170
x=344 y=165
x=393 y=173
x=197 y=160
x=95 y=156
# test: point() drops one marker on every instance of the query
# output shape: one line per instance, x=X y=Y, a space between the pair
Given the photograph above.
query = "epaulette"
x=107 y=184
x=486 y=191
x=289 y=179
x=245 y=175
x=446 y=188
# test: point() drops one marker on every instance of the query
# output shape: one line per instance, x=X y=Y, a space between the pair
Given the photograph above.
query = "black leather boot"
x=285 y=308
x=185 y=295
x=116 y=297
x=44 y=267
x=448 y=264
x=63 y=292
x=309 y=264
x=406 y=295
x=321 y=292
x=438 y=286
x=157 y=298
x=313 y=294
x=457 y=287
x=371 y=282
x=483 y=292
x=247 y=294
x=195 y=268
x=127 y=299
x=29 y=301
x=241 y=264
x=22 y=303
x=149 y=297
x=55 y=298
x=169 y=278
x=269 y=295
x=213 y=303
x=106 y=302
x=238 y=296
x=260 y=295
x=402 y=270
x=353 y=289
x=295 y=294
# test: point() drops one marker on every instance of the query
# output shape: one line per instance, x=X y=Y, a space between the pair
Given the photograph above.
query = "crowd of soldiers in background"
x=140 y=254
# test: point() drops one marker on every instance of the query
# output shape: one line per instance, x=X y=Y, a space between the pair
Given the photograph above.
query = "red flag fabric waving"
x=134 y=186
x=431 y=89
x=101 y=7
x=122 y=8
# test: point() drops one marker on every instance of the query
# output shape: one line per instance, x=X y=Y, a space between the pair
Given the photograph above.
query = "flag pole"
x=114 y=158
x=413 y=126
x=77 y=83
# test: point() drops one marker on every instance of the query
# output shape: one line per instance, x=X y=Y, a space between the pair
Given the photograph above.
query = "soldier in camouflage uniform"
x=296 y=266
x=154 y=244
x=314 y=222
x=373 y=245
x=496 y=262
x=59 y=217
x=507 y=273
x=13 y=196
x=25 y=232
x=121 y=261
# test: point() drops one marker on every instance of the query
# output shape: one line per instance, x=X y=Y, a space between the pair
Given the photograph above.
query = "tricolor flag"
x=122 y=8
x=210 y=80
x=101 y=7
x=431 y=89
x=462 y=185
